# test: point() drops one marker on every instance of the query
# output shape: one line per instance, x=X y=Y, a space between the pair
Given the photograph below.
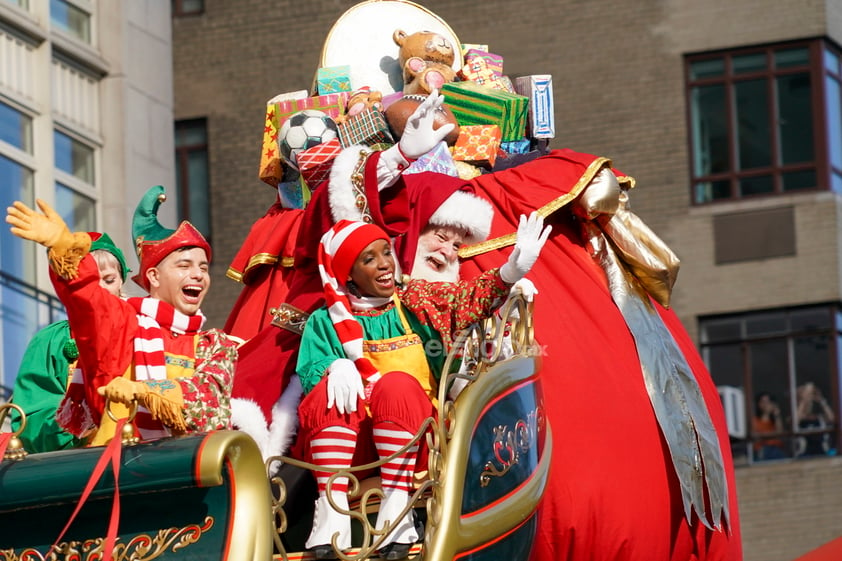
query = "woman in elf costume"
x=367 y=345
x=152 y=349
x=50 y=363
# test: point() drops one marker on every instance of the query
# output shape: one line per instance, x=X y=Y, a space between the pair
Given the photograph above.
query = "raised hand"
x=419 y=137
x=531 y=237
x=46 y=228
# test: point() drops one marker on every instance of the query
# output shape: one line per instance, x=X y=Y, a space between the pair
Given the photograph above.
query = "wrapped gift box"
x=333 y=79
x=367 y=127
x=492 y=61
x=473 y=104
x=332 y=104
x=315 y=163
x=520 y=146
x=477 y=144
x=478 y=71
x=473 y=47
x=438 y=160
x=294 y=194
x=271 y=168
x=539 y=89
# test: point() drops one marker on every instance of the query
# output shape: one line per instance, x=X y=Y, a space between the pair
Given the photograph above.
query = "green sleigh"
x=208 y=496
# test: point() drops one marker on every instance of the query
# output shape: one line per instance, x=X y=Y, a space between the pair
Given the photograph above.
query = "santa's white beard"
x=422 y=269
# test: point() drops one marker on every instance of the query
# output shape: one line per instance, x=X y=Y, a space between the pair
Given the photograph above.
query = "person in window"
x=767 y=420
x=150 y=350
x=813 y=412
x=50 y=363
x=363 y=360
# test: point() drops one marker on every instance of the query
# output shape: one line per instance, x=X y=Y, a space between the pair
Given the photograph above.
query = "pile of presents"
x=499 y=120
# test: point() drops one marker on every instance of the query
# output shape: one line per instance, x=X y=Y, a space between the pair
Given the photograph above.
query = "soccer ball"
x=303 y=130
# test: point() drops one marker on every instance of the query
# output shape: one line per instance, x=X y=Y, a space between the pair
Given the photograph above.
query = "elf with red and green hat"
x=50 y=363
x=152 y=349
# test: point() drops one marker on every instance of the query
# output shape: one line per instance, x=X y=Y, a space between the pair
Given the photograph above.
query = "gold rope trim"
x=256 y=260
x=509 y=239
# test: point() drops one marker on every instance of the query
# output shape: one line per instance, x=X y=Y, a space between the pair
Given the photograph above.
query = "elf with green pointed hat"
x=150 y=350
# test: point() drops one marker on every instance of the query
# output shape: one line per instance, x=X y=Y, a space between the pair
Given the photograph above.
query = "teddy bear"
x=426 y=59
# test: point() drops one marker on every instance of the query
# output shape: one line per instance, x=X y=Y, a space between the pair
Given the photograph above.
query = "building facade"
x=86 y=112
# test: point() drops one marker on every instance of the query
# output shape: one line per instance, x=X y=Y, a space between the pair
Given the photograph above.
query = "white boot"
x=327 y=522
x=393 y=503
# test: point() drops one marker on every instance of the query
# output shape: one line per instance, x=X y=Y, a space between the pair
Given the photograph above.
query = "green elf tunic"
x=436 y=311
x=40 y=385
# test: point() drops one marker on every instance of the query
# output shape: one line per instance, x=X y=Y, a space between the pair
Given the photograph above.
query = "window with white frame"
x=71 y=18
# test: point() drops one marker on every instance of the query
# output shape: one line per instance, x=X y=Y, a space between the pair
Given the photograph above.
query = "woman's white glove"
x=418 y=134
x=344 y=386
x=531 y=236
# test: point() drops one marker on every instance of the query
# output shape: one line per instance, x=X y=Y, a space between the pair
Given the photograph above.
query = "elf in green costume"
x=50 y=360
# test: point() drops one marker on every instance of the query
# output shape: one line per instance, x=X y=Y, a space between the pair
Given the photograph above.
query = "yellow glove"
x=163 y=398
x=48 y=229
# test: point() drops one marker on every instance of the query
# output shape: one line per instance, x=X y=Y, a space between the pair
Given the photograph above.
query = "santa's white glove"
x=418 y=134
x=531 y=236
x=527 y=289
x=344 y=386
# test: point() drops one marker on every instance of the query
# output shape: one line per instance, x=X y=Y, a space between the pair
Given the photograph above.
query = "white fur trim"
x=341 y=195
x=247 y=416
x=464 y=210
x=284 y=419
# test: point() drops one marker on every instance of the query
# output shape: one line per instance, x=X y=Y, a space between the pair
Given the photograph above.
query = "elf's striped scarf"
x=348 y=329
x=153 y=316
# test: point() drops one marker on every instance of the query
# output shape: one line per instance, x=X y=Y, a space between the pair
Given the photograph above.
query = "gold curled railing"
x=15 y=449
x=476 y=349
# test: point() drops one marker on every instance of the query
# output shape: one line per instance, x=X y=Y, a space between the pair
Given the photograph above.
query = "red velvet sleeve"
x=103 y=326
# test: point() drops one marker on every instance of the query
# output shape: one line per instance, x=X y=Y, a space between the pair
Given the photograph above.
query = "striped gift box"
x=492 y=61
x=332 y=104
x=539 y=89
x=315 y=163
x=368 y=127
x=473 y=104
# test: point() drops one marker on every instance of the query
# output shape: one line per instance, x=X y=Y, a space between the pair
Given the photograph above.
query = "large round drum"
x=362 y=39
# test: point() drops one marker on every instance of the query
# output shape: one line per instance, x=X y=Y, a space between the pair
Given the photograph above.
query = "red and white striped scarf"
x=153 y=316
x=348 y=329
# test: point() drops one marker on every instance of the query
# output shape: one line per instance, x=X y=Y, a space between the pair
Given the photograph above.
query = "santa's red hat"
x=153 y=242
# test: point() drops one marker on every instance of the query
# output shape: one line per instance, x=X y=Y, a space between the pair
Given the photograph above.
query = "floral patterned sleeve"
x=207 y=394
x=451 y=307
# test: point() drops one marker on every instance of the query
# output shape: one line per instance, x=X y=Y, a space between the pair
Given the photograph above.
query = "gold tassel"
x=167 y=407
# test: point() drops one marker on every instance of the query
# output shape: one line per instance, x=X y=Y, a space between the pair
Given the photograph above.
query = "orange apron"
x=405 y=353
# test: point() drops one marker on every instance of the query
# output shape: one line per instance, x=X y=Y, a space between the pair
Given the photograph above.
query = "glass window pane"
x=713 y=331
x=77 y=210
x=815 y=403
x=725 y=363
x=707 y=69
x=756 y=185
x=708 y=191
x=15 y=128
x=797 y=180
x=74 y=157
x=710 y=130
x=753 y=136
x=771 y=403
x=810 y=319
x=831 y=61
x=17 y=258
x=833 y=113
x=197 y=164
x=766 y=324
x=836 y=182
x=749 y=63
x=71 y=20
x=795 y=118
x=792 y=57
